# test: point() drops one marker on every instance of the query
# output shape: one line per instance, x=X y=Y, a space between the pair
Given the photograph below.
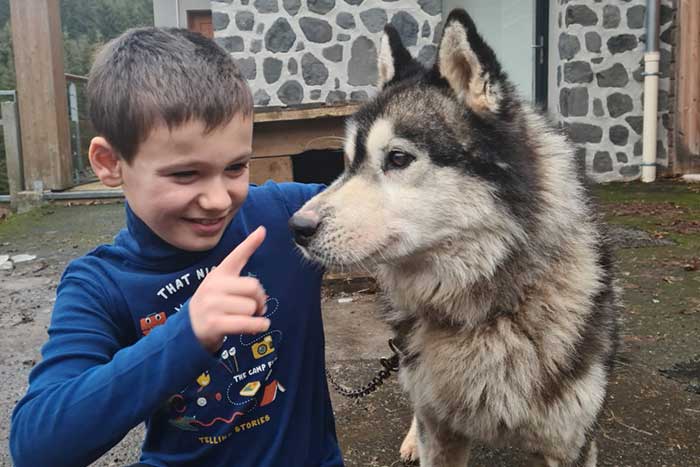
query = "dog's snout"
x=304 y=225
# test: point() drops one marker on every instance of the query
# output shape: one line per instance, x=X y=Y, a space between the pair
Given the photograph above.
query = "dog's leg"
x=585 y=457
x=438 y=446
x=409 y=447
x=539 y=460
x=589 y=455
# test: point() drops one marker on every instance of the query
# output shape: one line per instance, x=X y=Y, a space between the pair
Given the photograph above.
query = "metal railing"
x=81 y=132
x=11 y=93
x=81 y=127
x=11 y=174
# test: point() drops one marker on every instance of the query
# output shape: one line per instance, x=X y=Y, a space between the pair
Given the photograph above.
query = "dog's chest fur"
x=488 y=377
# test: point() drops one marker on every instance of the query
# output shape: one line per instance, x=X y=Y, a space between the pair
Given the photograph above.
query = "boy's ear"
x=105 y=162
x=469 y=65
x=394 y=61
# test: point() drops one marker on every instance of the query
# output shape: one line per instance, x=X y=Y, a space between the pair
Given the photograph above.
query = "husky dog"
x=496 y=275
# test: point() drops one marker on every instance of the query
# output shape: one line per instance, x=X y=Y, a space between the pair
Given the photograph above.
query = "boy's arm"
x=295 y=195
x=88 y=391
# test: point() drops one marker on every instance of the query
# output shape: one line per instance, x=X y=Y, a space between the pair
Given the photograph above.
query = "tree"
x=7 y=65
x=4 y=12
x=106 y=19
x=78 y=54
x=86 y=26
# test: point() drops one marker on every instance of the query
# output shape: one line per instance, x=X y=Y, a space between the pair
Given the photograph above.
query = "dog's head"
x=434 y=159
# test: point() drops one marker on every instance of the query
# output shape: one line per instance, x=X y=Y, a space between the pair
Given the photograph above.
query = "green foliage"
x=86 y=25
x=78 y=54
x=104 y=19
x=7 y=81
x=7 y=66
x=4 y=11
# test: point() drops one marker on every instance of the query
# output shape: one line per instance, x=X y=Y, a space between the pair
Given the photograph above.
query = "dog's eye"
x=398 y=160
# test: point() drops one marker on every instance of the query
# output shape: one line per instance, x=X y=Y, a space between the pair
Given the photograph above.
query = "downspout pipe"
x=651 y=91
x=177 y=14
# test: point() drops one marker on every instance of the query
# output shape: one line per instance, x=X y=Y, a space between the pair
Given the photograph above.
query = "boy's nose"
x=216 y=197
x=304 y=225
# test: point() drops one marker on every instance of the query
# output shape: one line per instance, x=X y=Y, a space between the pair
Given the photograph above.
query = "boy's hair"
x=153 y=76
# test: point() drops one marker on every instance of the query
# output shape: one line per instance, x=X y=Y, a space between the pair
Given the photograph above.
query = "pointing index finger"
x=238 y=258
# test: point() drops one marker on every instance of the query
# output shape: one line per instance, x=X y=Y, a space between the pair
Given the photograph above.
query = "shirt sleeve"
x=89 y=389
x=295 y=195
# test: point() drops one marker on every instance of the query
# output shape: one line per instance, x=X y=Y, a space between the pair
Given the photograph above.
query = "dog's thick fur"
x=497 y=279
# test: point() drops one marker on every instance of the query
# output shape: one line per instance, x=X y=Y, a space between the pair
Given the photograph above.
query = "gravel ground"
x=652 y=417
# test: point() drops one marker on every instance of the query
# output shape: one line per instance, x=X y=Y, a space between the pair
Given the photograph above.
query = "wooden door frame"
x=191 y=14
x=685 y=132
x=541 y=57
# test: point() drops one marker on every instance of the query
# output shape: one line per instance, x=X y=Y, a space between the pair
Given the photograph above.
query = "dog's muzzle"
x=304 y=225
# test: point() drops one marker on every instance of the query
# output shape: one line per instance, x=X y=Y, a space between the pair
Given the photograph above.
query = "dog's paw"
x=409 y=450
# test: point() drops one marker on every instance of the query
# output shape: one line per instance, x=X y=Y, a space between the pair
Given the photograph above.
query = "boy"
x=224 y=372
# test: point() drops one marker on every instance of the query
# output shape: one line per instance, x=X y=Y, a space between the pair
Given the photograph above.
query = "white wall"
x=165 y=12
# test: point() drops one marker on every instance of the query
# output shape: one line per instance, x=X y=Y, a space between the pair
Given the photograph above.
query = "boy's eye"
x=237 y=167
x=184 y=174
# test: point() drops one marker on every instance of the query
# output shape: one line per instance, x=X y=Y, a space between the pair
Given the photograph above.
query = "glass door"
x=517 y=32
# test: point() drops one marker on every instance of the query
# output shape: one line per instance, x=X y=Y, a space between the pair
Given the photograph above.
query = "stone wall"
x=318 y=51
x=600 y=82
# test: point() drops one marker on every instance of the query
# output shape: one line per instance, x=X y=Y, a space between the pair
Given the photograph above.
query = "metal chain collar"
x=391 y=365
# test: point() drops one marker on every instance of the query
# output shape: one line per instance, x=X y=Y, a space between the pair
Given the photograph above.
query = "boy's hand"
x=226 y=303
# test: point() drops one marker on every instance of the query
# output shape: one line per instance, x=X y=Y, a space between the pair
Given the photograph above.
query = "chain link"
x=391 y=365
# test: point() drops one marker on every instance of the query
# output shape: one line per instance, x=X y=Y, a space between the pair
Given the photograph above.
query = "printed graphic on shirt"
x=226 y=399
x=151 y=321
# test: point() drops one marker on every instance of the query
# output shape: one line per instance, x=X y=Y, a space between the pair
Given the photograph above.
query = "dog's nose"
x=304 y=225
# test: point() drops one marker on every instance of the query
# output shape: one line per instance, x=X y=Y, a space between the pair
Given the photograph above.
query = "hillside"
x=86 y=25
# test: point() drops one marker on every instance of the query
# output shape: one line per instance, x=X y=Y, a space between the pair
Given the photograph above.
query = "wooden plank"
x=286 y=138
x=278 y=169
x=41 y=86
x=94 y=186
x=688 y=73
x=76 y=78
x=687 y=122
x=286 y=114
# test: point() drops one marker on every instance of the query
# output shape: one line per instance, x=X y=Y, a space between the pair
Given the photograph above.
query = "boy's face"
x=187 y=185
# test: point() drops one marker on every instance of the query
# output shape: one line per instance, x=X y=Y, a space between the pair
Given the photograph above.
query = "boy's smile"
x=186 y=184
x=207 y=226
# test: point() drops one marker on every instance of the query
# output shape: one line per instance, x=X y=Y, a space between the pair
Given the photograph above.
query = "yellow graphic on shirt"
x=241 y=381
x=262 y=347
x=203 y=380
x=250 y=389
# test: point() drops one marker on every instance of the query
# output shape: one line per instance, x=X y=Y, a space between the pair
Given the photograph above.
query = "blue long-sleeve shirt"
x=121 y=350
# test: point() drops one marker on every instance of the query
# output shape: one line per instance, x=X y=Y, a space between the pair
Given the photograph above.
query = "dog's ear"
x=469 y=64
x=394 y=61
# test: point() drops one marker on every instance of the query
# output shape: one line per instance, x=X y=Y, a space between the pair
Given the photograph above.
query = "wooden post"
x=41 y=87
x=687 y=119
x=13 y=155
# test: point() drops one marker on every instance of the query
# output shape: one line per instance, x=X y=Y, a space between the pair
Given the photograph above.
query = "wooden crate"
x=279 y=134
